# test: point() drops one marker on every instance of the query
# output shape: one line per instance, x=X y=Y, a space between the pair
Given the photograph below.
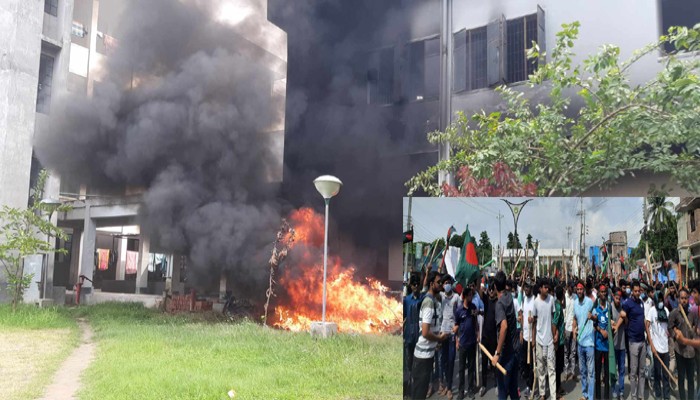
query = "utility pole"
x=500 y=238
x=445 y=93
x=568 y=237
x=581 y=241
x=406 y=249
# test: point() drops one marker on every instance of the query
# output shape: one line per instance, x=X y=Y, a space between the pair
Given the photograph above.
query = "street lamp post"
x=328 y=186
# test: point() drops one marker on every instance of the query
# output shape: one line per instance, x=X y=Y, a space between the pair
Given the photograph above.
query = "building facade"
x=50 y=47
x=689 y=233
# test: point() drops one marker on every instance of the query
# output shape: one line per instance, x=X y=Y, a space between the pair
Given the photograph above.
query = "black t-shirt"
x=488 y=334
x=506 y=312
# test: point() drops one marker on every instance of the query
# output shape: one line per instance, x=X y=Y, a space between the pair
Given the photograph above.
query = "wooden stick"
x=686 y=319
x=670 y=375
x=486 y=352
x=529 y=313
x=534 y=377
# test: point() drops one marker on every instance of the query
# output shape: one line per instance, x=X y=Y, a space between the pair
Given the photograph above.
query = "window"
x=380 y=77
x=678 y=13
x=521 y=32
x=424 y=69
x=691 y=215
x=51 y=7
x=470 y=59
x=78 y=29
x=43 y=98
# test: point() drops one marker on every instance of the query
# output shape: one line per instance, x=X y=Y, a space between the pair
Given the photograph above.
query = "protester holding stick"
x=583 y=335
x=685 y=355
x=507 y=341
x=526 y=366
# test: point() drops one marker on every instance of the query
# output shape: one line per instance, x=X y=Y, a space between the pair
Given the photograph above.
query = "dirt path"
x=66 y=382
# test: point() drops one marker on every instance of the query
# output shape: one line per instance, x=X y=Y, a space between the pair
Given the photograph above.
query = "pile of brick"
x=188 y=302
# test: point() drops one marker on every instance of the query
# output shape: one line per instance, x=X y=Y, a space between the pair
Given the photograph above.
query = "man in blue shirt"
x=411 y=329
x=602 y=364
x=583 y=334
x=467 y=332
x=633 y=310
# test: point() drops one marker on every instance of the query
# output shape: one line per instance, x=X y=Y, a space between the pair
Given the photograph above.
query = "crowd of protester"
x=544 y=332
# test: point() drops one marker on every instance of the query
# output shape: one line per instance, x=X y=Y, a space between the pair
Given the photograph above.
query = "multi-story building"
x=689 y=234
x=52 y=46
x=386 y=74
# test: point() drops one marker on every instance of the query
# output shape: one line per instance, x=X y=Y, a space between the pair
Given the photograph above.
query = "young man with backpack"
x=424 y=354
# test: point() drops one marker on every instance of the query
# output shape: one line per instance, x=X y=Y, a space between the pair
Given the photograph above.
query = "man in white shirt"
x=656 y=320
x=528 y=302
x=570 y=346
x=448 y=351
x=424 y=353
x=545 y=336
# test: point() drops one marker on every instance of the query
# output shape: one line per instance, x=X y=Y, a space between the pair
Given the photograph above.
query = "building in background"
x=689 y=235
x=53 y=46
x=414 y=65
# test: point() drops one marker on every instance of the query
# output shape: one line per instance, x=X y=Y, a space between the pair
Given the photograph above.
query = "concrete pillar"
x=222 y=285
x=51 y=190
x=87 y=254
x=20 y=35
x=175 y=285
x=121 y=262
x=75 y=257
x=144 y=259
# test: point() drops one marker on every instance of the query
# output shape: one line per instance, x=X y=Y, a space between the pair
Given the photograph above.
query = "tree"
x=484 y=249
x=25 y=232
x=456 y=240
x=663 y=244
x=528 y=242
x=617 y=128
x=660 y=214
x=513 y=242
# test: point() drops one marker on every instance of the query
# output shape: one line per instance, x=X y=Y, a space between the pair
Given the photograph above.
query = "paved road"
x=572 y=388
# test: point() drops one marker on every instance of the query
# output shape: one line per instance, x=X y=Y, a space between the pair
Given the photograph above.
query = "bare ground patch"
x=28 y=359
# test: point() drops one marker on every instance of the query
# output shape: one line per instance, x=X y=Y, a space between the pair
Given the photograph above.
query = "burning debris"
x=283 y=243
x=354 y=305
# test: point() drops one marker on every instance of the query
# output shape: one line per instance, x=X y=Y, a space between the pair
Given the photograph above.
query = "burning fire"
x=355 y=306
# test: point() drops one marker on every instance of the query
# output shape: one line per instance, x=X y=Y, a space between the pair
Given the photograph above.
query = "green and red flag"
x=612 y=362
x=468 y=267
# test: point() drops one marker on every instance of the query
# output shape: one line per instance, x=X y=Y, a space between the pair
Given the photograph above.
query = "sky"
x=546 y=219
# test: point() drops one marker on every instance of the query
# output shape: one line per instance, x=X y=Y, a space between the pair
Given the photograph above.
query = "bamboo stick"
x=670 y=375
x=529 y=314
x=486 y=352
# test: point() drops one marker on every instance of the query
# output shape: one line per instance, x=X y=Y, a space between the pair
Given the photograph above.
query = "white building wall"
x=20 y=48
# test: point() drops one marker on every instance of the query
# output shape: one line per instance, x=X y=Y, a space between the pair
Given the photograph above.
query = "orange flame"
x=354 y=306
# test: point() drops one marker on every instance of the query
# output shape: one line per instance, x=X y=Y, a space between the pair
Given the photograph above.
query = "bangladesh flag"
x=468 y=267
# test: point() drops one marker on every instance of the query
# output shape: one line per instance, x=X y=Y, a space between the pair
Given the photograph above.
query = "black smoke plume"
x=182 y=113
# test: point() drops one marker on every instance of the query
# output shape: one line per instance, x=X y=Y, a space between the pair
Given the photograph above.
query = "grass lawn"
x=145 y=354
x=33 y=343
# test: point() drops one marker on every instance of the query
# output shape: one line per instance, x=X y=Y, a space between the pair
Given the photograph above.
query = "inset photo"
x=549 y=297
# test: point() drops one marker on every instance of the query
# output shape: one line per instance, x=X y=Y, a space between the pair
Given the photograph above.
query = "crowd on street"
x=526 y=337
